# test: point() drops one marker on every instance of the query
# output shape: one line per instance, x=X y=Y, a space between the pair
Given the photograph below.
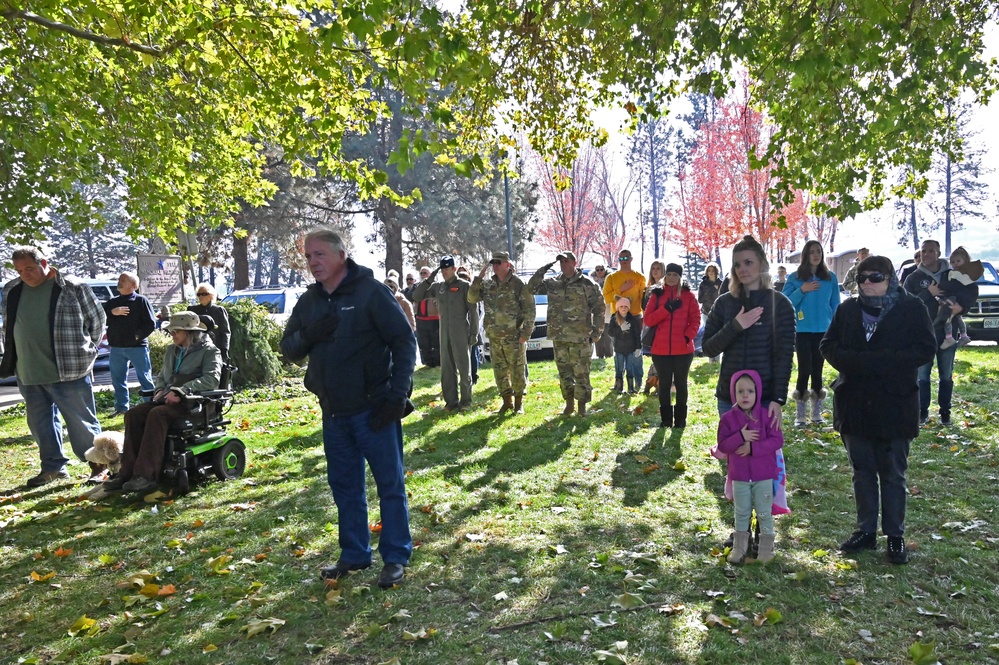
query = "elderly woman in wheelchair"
x=192 y=364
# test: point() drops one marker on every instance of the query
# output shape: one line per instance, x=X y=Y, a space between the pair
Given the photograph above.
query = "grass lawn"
x=538 y=539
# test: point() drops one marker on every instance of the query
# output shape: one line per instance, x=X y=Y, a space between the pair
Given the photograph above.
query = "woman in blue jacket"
x=814 y=291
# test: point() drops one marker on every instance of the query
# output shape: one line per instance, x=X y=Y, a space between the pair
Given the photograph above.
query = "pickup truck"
x=983 y=319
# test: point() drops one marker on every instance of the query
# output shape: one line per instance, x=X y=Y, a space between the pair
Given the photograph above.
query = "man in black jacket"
x=130 y=322
x=362 y=354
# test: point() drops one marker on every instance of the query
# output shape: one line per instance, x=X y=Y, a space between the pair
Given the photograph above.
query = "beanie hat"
x=674 y=268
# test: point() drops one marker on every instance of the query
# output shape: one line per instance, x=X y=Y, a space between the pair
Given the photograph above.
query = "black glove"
x=673 y=305
x=321 y=330
x=387 y=413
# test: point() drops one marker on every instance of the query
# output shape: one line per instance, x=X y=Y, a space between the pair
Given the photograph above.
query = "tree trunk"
x=258 y=264
x=240 y=263
x=392 y=233
x=912 y=223
x=275 y=272
x=947 y=194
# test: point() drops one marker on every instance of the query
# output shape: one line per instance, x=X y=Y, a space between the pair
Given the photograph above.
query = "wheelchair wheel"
x=183 y=482
x=229 y=460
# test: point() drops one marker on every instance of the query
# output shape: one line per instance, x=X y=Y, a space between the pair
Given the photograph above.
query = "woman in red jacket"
x=674 y=311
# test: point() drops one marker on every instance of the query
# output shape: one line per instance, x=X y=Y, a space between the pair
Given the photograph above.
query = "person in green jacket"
x=459 y=330
x=192 y=364
x=509 y=321
x=575 y=323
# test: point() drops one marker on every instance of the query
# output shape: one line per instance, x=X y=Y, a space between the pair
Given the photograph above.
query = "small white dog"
x=108 y=448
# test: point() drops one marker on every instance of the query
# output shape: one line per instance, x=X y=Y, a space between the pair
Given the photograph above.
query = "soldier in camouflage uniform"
x=509 y=322
x=459 y=328
x=575 y=322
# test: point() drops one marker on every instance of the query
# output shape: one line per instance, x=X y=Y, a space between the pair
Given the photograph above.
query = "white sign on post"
x=161 y=277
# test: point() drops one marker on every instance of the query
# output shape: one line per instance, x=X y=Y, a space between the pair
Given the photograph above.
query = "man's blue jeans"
x=121 y=356
x=75 y=399
x=945 y=372
x=349 y=442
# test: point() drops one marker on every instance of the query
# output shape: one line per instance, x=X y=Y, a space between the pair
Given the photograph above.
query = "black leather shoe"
x=392 y=575
x=860 y=540
x=341 y=569
x=897 y=552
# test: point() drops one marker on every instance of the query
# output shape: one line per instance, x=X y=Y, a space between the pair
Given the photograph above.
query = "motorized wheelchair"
x=198 y=445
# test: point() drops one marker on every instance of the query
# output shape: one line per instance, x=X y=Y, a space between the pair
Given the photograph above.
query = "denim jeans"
x=630 y=364
x=945 y=372
x=75 y=399
x=884 y=462
x=121 y=356
x=758 y=495
x=349 y=442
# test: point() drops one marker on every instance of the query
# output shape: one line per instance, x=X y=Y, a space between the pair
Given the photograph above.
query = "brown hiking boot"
x=570 y=406
x=518 y=403
x=581 y=409
x=507 y=404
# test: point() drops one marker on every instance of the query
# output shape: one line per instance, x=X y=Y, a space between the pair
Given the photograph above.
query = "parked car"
x=104 y=290
x=277 y=300
x=539 y=346
x=983 y=319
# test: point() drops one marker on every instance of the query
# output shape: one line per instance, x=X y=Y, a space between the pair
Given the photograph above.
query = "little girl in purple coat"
x=751 y=444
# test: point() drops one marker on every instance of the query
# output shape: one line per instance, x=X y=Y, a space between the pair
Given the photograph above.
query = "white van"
x=277 y=300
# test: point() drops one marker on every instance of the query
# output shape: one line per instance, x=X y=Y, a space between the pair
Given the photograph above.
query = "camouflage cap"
x=566 y=255
x=501 y=256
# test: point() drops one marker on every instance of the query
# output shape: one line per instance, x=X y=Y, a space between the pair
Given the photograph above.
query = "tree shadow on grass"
x=640 y=472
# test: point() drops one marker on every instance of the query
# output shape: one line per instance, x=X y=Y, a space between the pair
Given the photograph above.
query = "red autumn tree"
x=571 y=204
x=723 y=193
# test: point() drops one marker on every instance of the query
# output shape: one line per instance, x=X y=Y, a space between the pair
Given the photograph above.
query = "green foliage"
x=178 y=98
x=253 y=348
x=159 y=341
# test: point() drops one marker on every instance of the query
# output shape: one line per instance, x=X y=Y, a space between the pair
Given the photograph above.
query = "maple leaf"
x=262 y=626
x=35 y=577
x=62 y=551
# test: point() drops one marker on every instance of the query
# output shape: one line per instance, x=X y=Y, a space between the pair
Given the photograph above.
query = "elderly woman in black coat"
x=877 y=342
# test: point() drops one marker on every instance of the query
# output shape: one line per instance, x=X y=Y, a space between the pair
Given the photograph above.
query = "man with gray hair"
x=130 y=322
x=53 y=326
x=361 y=353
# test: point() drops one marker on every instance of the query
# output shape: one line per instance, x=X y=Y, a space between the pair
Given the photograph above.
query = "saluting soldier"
x=459 y=329
x=509 y=322
x=575 y=322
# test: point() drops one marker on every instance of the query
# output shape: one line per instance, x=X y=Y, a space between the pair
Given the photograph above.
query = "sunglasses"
x=873 y=278
x=410 y=279
x=201 y=295
x=495 y=262
x=624 y=258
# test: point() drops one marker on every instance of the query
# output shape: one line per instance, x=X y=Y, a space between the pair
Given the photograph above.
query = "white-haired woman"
x=191 y=364
x=208 y=306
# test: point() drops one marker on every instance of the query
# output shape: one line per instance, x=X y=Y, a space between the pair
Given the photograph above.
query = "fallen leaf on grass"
x=117 y=658
x=866 y=635
x=62 y=551
x=770 y=616
x=680 y=465
x=616 y=655
x=649 y=468
x=35 y=577
x=923 y=653
x=262 y=626
x=153 y=497
x=208 y=648
x=670 y=610
x=713 y=621
x=84 y=626
x=244 y=507
x=929 y=613
x=627 y=601
x=422 y=634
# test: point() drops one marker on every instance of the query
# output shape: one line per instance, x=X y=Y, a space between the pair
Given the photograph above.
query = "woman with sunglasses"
x=877 y=342
x=814 y=291
x=207 y=307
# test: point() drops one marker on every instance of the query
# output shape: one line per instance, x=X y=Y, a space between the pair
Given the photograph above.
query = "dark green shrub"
x=158 y=343
x=254 y=346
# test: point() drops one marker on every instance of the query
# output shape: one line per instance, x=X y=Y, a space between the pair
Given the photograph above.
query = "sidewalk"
x=9 y=395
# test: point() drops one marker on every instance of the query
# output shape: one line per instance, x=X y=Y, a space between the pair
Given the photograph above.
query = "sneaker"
x=964 y=341
x=924 y=417
x=860 y=540
x=948 y=342
x=139 y=484
x=945 y=419
x=341 y=569
x=898 y=554
x=46 y=477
